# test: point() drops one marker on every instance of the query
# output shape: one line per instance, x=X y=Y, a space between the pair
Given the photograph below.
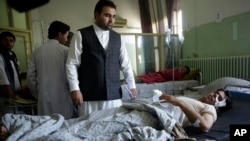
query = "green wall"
x=229 y=37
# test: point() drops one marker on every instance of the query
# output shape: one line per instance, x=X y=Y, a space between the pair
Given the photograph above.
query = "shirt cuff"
x=74 y=87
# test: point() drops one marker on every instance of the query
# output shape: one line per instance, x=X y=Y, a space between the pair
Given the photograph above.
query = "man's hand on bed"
x=205 y=120
x=76 y=97
x=170 y=99
x=134 y=93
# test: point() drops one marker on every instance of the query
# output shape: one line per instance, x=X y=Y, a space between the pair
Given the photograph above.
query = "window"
x=177 y=22
x=11 y=18
x=20 y=25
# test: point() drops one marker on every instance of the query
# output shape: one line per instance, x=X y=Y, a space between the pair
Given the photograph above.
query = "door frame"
x=28 y=43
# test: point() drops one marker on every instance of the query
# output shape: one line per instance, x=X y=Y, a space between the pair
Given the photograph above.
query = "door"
x=22 y=48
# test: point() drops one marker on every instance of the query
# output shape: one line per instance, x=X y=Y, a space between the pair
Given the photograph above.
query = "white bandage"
x=197 y=123
x=157 y=92
x=221 y=103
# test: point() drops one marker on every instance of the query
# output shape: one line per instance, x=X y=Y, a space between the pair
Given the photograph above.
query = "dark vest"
x=99 y=72
x=9 y=70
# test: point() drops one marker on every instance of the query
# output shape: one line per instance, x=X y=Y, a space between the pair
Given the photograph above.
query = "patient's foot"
x=4 y=134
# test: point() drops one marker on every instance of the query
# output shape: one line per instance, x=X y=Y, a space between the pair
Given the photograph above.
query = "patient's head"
x=222 y=100
x=229 y=102
x=185 y=69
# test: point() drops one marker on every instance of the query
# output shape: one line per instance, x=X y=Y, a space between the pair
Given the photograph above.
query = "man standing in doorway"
x=10 y=83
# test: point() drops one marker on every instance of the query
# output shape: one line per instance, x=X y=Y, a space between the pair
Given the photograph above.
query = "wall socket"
x=218 y=17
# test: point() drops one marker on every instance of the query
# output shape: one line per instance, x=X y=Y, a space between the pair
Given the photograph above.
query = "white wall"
x=80 y=13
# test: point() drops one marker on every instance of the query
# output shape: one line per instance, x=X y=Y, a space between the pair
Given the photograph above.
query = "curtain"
x=147 y=49
x=146 y=23
x=157 y=15
x=171 y=6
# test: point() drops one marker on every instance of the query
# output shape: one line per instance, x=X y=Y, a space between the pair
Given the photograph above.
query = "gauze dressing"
x=157 y=94
x=218 y=103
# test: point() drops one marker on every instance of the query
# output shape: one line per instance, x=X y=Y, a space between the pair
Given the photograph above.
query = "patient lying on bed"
x=165 y=75
x=201 y=113
x=129 y=122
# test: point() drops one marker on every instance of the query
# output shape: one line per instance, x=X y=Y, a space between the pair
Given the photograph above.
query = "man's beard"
x=108 y=27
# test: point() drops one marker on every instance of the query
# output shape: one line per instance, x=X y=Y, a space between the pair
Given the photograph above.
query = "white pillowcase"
x=222 y=82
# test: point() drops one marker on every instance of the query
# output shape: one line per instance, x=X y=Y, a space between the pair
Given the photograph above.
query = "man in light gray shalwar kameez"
x=46 y=76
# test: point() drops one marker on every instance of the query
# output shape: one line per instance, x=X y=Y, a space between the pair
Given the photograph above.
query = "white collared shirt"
x=74 y=58
x=3 y=76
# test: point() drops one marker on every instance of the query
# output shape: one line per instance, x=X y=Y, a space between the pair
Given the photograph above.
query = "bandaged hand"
x=170 y=99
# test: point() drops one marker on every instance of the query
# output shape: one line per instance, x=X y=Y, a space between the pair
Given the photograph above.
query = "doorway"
x=23 y=49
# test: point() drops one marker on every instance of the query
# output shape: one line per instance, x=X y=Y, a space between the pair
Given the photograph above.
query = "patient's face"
x=183 y=70
x=211 y=97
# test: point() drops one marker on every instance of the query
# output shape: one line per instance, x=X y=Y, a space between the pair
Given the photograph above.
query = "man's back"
x=48 y=65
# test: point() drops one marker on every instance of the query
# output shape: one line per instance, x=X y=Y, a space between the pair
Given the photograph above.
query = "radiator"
x=217 y=67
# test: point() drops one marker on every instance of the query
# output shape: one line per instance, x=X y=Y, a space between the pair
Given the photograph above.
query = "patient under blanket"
x=129 y=122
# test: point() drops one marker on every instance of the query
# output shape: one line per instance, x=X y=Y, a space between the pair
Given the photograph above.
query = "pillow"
x=194 y=72
x=222 y=82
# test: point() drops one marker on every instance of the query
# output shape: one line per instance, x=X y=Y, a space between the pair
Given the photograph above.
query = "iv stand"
x=168 y=41
x=171 y=46
x=173 y=71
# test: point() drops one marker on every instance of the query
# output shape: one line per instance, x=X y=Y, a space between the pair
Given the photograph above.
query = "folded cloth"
x=20 y=100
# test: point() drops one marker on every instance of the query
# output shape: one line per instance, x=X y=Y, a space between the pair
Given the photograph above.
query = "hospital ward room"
x=124 y=70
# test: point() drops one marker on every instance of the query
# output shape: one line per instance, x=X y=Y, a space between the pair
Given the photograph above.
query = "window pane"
x=3 y=14
x=20 y=50
x=143 y=51
x=19 y=19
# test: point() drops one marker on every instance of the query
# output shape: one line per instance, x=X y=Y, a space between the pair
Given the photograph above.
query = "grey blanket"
x=140 y=122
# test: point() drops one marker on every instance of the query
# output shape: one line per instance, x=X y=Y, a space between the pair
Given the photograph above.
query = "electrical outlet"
x=218 y=17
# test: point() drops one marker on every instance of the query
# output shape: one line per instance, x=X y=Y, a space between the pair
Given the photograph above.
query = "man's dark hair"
x=7 y=34
x=229 y=101
x=188 y=70
x=56 y=27
x=102 y=3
